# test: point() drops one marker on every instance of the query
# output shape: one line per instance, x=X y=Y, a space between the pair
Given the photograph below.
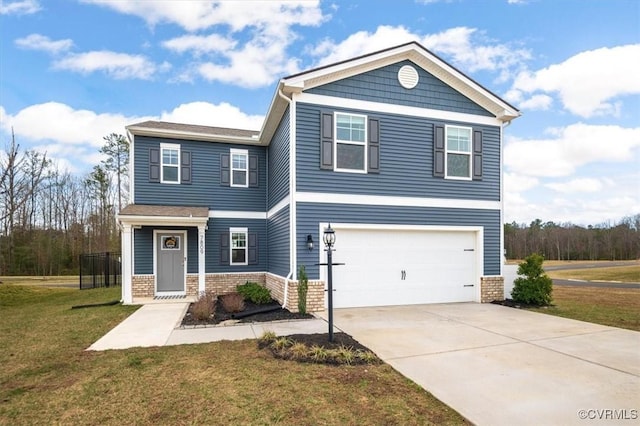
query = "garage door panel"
x=385 y=267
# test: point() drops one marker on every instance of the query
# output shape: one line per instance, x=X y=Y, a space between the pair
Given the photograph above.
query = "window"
x=458 y=152
x=351 y=143
x=238 y=246
x=170 y=155
x=239 y=167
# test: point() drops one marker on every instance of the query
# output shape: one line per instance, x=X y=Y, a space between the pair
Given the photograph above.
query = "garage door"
x=400 y=267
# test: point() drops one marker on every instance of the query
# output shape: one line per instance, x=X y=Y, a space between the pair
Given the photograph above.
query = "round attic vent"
x=408 y=77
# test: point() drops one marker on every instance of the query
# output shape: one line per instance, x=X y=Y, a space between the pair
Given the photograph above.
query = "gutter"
x=291 y=210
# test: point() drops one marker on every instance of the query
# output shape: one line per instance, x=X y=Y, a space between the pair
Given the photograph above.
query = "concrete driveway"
x=503 y=366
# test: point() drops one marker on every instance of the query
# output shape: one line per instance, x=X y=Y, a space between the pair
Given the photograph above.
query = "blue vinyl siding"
x=278 y=244
x=381 y=85
x=406 y=161
x=311 y=214
x=279 y=162
x=205 y=189
x=143 y=249
x=212 y=241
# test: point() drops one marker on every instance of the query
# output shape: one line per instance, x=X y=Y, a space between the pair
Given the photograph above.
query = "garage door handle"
x=403 y=275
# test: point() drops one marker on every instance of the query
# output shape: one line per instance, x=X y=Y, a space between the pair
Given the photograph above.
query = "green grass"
x=48 y=378
x=616 y=273
x=608 y=306
x=40 y=280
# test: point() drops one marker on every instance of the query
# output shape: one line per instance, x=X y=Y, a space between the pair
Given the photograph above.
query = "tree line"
x=49 y=216
x=566 y=241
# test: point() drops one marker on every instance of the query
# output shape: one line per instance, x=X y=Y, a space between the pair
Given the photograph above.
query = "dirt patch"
x=252 y=312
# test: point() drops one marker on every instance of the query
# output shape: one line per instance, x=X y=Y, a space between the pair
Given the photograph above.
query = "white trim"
x=245 y=154
x=155 y=261
x=293 y=210
x=197 y=136
x=337 y=141
x=132 y=171
x=244 y=231
x=230 y=214
x=435 y=114
x=379 y=200
x=468 y=154
x=172 y=147
x=135 y=220
x=279 y=206
x=201 y=258
x=479 y=242
x=127 y=264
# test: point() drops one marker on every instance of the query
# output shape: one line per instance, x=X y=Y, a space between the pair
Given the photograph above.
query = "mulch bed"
x=518 y=305
x=221 y=315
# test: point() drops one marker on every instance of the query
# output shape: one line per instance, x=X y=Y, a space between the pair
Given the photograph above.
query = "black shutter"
x=224 y=248
x=374 y=145
x=326 y=140
x=225 y=170
x=438 y=151
x=253 y=248
x=154 y=164
x=477 y=155
x=185 y=167
x=253 y=171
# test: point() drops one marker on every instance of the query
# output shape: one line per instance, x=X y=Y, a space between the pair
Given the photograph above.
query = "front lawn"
x=47 y=377
x=629 y=274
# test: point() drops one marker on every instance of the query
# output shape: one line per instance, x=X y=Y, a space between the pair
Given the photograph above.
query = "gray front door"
x=170 y=262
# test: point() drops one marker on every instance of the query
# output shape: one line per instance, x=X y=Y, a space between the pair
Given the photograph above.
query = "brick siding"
x=491 y=288
x=142 y=285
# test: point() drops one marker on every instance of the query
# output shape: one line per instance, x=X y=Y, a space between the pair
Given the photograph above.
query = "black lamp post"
x=329 y=239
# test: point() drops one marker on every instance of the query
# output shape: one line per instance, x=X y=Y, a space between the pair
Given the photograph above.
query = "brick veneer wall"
x=226 y=283
x=142 y=285
x=192 y=284
x=315 y=293
x=275 y=284
x=491 y=288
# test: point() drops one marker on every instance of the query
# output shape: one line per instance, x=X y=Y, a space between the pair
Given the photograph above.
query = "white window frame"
x=244 y=231
x=447 y=151
x=245 y=154
x=337 y=141
x=172 y=147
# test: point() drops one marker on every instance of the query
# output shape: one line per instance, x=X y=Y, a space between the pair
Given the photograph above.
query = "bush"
x=204 y=307
x=233 y=302
x=255 y=293
x=532 y=286
x=303 y=286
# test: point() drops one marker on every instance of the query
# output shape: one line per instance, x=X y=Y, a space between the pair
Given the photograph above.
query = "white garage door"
x=401 y=267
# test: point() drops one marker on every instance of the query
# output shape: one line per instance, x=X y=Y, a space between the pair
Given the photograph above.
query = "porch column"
x=127 y=257
x=201 y=257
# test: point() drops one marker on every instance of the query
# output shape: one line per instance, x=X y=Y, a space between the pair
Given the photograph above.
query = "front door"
x=170 y=263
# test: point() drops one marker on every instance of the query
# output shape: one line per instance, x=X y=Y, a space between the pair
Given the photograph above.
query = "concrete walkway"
x=503 y=366
x=156 y=325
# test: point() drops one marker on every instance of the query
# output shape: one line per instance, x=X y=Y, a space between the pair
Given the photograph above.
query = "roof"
x=193 y=131
x=164 y=211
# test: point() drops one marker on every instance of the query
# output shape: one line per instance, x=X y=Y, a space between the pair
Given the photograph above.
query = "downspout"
x=291 y=207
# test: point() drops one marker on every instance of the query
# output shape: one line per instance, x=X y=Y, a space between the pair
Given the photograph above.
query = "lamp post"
x=329 y=239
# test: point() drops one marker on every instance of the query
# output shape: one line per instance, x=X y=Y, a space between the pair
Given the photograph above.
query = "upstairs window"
x=170 y=155
x=239 y=167
x=458 y=152
x=350 y=143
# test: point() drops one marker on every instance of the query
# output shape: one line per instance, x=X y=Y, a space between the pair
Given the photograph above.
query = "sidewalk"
x=156 y=325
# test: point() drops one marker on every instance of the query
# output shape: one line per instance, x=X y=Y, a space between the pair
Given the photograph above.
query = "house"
x=399 y=151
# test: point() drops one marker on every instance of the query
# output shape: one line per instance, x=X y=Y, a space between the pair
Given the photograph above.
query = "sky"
x=74 y=71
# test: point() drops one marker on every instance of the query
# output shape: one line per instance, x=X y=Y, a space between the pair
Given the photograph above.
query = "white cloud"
x=44 y=43
x=464 y=47
x=24 y=7
x=199 y=45
x=238 y=15
x=206 y=114
x=573 y=146
x=515 y=183
x=588 y=82
x=577 y=185
x=536 y=102
x=114 y=64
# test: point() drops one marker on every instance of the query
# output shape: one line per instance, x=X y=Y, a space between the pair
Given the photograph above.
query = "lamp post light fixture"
x=310 y=242
x=329 y=239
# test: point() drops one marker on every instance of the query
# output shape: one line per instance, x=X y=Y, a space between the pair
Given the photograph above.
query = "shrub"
x=255 y=293
x=282 y=343
x=204 y=307
x=298 y=351
x=303 y=286
x=532 y=286
x=318 y=353
x=233 y=302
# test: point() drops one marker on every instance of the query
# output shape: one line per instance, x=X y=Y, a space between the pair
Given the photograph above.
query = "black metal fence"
x=100 y=270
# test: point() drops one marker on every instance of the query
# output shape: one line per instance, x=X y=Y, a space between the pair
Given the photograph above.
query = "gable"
x=382 y=85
